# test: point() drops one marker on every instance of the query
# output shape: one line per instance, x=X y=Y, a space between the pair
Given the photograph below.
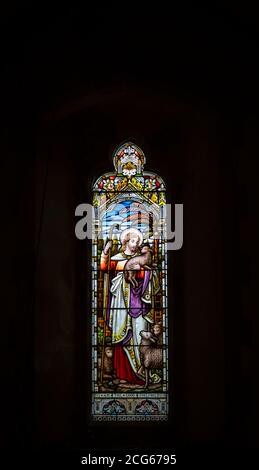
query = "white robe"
x=120 y=321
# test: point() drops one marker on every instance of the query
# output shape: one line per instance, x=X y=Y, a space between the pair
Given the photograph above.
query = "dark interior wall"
x=181 y=145
x=191 y=104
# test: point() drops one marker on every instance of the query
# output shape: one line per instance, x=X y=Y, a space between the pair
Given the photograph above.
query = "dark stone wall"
x=189 y=104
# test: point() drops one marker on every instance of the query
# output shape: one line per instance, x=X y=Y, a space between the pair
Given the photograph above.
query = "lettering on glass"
x=129 y=292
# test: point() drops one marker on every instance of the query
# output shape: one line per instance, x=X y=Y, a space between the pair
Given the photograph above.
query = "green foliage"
x=159 y=372
x=100 y=335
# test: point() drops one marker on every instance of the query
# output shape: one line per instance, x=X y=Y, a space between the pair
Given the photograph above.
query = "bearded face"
x=133 y=244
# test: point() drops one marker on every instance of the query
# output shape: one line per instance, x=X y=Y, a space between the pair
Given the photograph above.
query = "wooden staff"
x=106 y=296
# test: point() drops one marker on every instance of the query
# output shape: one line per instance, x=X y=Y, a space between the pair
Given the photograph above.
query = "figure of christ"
x=129 y=307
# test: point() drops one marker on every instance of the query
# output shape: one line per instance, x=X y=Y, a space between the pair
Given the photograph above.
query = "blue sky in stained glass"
x=127 y=214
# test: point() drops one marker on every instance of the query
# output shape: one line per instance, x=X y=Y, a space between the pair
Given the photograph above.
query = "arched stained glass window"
x=129 y=292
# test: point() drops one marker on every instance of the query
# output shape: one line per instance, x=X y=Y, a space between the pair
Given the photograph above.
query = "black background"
x=182 y=84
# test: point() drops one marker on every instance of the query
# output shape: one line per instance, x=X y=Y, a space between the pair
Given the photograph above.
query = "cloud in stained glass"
x=125 y=303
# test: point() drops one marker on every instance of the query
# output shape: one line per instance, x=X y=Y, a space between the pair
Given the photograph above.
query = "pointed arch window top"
x=129 y=293
x=129 y=161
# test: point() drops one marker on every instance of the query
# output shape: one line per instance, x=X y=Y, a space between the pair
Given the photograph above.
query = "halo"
x=137 y=232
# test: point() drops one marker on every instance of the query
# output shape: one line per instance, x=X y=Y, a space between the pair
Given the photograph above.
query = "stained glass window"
x=129 y=292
